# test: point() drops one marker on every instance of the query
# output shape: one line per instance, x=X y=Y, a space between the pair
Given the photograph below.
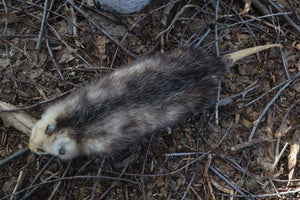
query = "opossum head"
x=46 y=138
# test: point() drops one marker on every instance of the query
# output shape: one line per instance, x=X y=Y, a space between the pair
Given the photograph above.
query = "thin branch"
x=102 y=30
x=39 y=41
x=13 y=156
x=269 y=104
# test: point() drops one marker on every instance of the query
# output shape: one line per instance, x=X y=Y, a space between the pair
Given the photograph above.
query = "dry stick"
x=275 y=87
x=250 y=143
x=282 y=125
x=284 y=64
x=70 y=178
x=203 y=37
x=173 y=172
x=30 y=187
x=277 y=157
x=272 y=183
x=174 y=20
x=228 y=100
x=122 y=173
x=86 y=164
x=138 y=21
x=28 y=193
x=39 y=41
x=293 y=9
x=20 y=180
x=143 y=168
x=100 y=29
x=97 y=180
x=206 y=177
x=269 y=104
x=218 y=54
x=237 y=166
x=228 y=182
x=32 y=83
x=6 y=48
x=280 y=193
x=13 y=156
x=58 y=184
x=39 y=103
x=68 y=47
x=253 y=19
x=52 y=57
x=234 y=165
x=186 y=27
x=287 y=18
x=188 y=188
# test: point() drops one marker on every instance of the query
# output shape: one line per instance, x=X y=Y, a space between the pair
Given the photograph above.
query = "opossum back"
x=147 y=95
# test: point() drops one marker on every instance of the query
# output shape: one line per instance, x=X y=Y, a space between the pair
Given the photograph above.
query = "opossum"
x=109 y=113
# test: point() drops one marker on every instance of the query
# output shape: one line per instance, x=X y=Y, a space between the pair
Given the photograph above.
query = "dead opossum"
x=116 y=110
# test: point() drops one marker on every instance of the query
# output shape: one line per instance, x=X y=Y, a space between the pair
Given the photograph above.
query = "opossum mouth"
x=41 y=152
x=38 y=151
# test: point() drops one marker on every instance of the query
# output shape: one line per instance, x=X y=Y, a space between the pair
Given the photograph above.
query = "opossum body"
x=116 y=110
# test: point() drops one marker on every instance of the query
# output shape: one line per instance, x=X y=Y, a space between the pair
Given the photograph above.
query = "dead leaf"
x=294 y=151
x=101 y=46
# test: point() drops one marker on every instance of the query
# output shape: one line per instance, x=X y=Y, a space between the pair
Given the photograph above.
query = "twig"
x=206 y=177
x=253 y=19
x=293 y=9
x=228 y=182
x=275 y=87
x=52 y=57
x=32 y=187
x=277 y=158
x=39 y=41
x=188 y=187
x=218 y=54
x=58 y=184
x=297 y=190
x=122 y=173
x=269 y=104
x=174 y=20
x=284 y=64
x=70 y=178
x=282 y=125
x=68 y=47
x=143 y=168
x=287 y=18
x=13 y=156
x=173 y=172
x=97 y=180
x=250 y=143
x=39 y=103
x=102 y=30
x=218 y=101
x=28 y=193
x=32 y=83
x=20 y=180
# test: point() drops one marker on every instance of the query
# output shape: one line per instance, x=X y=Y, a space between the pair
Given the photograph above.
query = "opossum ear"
x=50 y=128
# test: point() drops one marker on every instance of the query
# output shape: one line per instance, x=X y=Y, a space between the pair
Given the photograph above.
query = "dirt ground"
x=246 y=149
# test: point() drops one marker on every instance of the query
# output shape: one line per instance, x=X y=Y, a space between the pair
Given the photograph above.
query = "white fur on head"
x=43 y=143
